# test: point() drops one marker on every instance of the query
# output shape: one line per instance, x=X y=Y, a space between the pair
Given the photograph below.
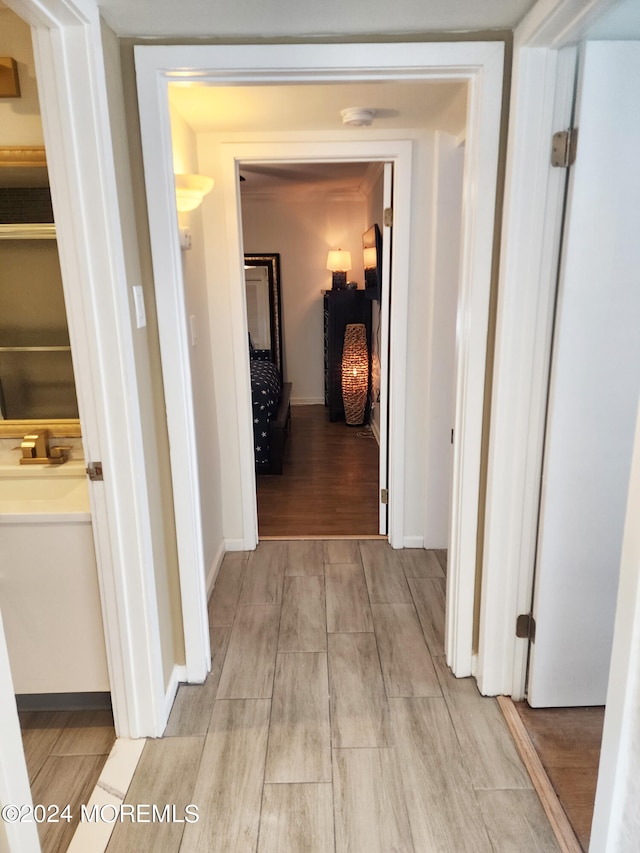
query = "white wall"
x=20 y=122
x=448 y=167
x=208 y=426
x=155 y=449
x=302 y=228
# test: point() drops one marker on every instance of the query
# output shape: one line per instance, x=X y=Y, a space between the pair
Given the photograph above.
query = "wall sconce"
x=339 y=261
x=355 y=373
x=9 y=80
x=190 y=190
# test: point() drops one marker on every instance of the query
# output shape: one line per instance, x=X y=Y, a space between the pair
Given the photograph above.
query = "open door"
x=593 y=394
x=385 y=307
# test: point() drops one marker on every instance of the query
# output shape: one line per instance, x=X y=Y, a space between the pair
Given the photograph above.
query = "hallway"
x=330 y=721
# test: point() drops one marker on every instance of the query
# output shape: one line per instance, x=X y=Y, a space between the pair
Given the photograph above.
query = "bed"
x=270 y=399
x=270 y=396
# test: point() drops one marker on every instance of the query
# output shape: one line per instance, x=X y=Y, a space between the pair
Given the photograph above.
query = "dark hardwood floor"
x=567 y=741
x=329 y=486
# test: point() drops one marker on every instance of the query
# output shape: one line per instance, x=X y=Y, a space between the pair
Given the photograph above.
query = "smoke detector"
x=357 y=116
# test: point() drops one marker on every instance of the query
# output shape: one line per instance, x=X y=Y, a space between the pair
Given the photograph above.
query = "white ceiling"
x=264 y=109
x=336 y=179
x=273 y=18
x=405 y=105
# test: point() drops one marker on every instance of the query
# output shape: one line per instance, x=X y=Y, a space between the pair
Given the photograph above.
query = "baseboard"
x=178 y=676
x=234 y=545
x=212 y=574
x=64 y=701
x=413 y=542
x=307 y=401
x=375 y=429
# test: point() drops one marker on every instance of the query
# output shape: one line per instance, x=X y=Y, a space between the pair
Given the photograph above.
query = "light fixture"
x=9 y=80
x=357 y=116
x=190 y=190
x=355 y=373
x=339 y=261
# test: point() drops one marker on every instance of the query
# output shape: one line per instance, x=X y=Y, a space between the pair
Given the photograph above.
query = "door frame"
x=541 y=103
x=542 y=87
x=77 y=130
x=481 y=65
x=397 y=152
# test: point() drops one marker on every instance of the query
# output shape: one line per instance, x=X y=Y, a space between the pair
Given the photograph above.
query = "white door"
x=594 y=385
x=385 y=307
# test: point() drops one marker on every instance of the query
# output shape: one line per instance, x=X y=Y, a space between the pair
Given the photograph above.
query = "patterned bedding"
x=266 y=387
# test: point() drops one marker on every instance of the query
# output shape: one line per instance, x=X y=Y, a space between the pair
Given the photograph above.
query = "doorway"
x=233 y=518
x=328 y=482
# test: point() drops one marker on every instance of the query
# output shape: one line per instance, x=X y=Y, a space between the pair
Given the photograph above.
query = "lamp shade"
x=190 y=190
x=355 y=373
x=339 y=260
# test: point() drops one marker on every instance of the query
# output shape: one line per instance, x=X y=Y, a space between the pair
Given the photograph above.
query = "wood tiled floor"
x=330 y=721
x=65 y=753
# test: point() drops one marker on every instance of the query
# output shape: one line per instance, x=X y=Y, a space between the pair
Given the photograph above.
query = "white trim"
x=615 y=825
x=542 y=96
x=388 y=273
x=72 y=89
x=478 y=211
x=397 y=152
x=376 y=431
x=556 y=23
x=178 y=676
x=413 y=542
x=509 y=511
x=479 y=63
x=234 y=545
x=22 y=837
x=212 y=574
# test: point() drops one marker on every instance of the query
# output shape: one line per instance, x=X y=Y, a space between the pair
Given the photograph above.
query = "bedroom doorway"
x=316 y=475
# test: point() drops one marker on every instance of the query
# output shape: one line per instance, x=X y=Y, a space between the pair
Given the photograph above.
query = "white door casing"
x=478 y=63
x=398 y=152
x=75 y=116
x=527 y=284
x=542 y=91
x=383 y=355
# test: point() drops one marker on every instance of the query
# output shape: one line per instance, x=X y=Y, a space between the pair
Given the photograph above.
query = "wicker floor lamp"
x=355 y=373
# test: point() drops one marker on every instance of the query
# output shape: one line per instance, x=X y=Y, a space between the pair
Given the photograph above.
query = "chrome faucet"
x=36 y=451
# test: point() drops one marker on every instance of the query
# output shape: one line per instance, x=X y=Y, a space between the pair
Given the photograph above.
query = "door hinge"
x=94 y=471
x=384 y=496
x=526 y=627
x=388 y=217
x=563 y=148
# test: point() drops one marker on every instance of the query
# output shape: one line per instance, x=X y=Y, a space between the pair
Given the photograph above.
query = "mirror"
x=264 y=305
x=37 y=387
